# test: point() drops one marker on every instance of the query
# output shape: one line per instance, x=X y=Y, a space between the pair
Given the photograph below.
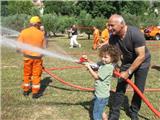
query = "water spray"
x=9 y=42
x=18 y=45
x=8 y=32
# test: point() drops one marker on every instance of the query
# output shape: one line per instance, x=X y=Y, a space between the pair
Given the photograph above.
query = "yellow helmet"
x=35 y=19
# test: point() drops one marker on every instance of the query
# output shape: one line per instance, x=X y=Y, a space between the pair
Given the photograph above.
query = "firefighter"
x=32 y=61
x=95 y=38
x=105 y=36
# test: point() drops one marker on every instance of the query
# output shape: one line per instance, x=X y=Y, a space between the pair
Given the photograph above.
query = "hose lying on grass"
x=117 y=74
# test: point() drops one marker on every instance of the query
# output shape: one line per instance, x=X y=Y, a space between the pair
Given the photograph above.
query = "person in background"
x=109 y=56
x=105 y=36
x=45 y=34
x=73 y=40
x=135 y=59
x=142 y=29
x=32 y=60
x=69 y=31
x=96 y=38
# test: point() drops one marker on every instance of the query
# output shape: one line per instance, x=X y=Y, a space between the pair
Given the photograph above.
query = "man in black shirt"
x=135 y=61
x=73 y=40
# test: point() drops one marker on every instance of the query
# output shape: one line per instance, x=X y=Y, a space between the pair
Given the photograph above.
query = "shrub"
x=15 y=22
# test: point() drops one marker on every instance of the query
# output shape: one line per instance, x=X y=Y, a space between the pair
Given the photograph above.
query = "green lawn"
x=61 y=102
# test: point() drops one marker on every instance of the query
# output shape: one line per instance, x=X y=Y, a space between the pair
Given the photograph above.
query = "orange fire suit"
x=95 y=38
x=32 y=60
x=105 y=35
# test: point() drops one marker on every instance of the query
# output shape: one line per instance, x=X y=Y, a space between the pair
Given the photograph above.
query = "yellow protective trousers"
x=95 y=39
x=95 y=43
x=32 y=74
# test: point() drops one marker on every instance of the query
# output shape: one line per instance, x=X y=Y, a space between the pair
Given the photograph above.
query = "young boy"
x=109 y=56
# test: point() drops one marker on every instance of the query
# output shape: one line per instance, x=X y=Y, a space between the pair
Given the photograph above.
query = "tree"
x=98 y=8
x=65 y=22
x=15 y=22
x=50 y=23
x=35 y=11
x=4 y=9
x=85 y=21
x=100 y=23
x=59 y=7
x=136 y=7
x=19 y=7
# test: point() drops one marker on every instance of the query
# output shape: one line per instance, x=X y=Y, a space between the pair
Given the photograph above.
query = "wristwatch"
x=129 y=72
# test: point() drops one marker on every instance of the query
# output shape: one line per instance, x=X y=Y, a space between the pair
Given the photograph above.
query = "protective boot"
x=114 y=112
x=37 y=95
x=26 y=93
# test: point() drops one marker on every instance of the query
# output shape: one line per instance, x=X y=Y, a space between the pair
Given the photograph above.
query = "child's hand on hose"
x=86 y=64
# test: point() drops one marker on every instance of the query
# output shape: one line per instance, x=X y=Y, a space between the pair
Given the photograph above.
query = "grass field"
x=61 y=102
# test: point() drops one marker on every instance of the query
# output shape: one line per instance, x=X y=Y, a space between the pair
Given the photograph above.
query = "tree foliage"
x=50 y=22
x=16 y=22
x=59 y=7
x=19 y=7
x=60 y=15
x=85 y=23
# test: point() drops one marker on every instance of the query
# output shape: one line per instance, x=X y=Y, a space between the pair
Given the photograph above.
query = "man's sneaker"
x=36 y=95
x=79 y=45
x=71 y=47
x=132 y=116
x=26 y=93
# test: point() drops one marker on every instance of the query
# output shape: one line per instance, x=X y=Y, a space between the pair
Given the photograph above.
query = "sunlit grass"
x=61 y=102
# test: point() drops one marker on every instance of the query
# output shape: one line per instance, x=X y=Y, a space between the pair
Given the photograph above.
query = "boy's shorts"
x=98 y=107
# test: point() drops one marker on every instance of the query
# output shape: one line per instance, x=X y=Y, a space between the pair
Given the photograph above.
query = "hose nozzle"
x=82 y=59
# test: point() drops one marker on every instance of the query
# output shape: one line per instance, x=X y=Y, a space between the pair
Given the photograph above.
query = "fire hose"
x=82 y=88
x=157 y=113
x=67 y=83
